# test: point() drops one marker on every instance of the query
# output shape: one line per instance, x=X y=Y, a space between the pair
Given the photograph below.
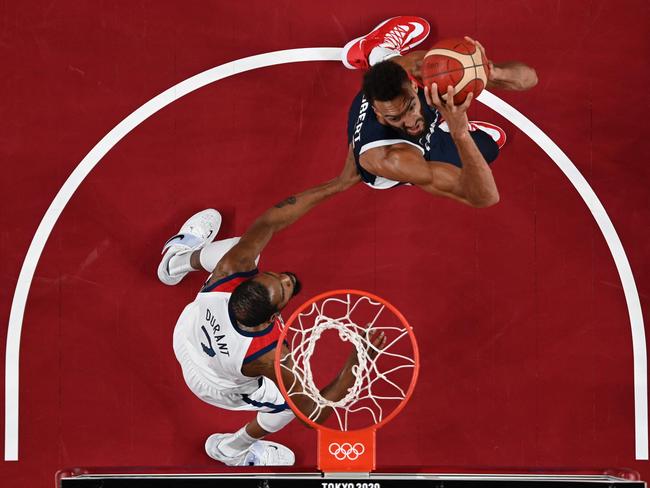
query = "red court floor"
x=519 y=310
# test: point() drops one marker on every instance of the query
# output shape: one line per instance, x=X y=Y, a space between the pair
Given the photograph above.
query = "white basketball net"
x=307 y=330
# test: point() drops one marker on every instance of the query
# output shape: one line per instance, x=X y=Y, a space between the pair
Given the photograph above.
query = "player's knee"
x=273 y=422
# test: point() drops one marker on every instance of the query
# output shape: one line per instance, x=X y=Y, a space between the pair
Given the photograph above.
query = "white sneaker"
x=199 y=230
x=266 y=453
x=261 y=453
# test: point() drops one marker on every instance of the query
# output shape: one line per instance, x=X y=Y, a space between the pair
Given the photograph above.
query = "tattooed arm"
x=242 y=256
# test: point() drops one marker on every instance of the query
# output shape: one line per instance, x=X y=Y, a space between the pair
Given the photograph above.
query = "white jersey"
x=209 y=344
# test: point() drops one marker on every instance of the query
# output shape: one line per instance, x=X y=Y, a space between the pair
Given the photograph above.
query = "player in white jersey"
x=225 y=339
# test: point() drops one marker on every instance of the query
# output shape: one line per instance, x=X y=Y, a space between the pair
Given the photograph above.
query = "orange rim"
x=405 y=324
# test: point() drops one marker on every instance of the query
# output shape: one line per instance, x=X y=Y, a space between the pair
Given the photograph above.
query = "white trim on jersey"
x=387 y=142
x=382 y=183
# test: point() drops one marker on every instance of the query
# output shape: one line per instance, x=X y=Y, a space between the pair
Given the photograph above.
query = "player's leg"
x=208 y=257
x=246 y=446
x=389 y=39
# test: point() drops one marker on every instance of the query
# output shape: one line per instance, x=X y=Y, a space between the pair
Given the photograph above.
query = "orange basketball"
x=458 y=63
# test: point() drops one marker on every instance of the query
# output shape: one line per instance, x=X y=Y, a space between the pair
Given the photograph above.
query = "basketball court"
x=121 y=119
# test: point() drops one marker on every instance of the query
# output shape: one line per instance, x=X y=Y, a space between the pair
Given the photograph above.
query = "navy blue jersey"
x=365 y=132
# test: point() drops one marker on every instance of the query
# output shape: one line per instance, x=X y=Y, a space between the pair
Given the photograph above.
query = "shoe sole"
x=163 y=267
x=280 y=448
x=214 y=440
x=487 y=125
x=348 y=46
x=163 y=271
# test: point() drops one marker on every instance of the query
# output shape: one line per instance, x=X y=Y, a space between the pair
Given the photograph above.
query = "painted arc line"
x=615 y=247
x=75 y=179
x=271 y=59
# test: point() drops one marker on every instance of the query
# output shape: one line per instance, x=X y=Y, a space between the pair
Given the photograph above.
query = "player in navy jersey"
x=401 y=132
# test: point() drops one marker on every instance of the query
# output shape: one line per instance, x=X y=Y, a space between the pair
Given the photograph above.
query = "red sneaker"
x=494 y=131
x=399 y=34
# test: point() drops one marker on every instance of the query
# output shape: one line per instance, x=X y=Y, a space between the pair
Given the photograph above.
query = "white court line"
x=615 y=247
x=270 y=59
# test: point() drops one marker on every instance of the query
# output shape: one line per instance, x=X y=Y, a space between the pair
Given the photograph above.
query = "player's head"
x=259 y=299
x=394 y=98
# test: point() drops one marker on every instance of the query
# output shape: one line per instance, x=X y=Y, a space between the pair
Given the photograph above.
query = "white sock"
x=237 y=443
x=180 y=263
x=209 y=257
x=213 y=252
x=379 y=54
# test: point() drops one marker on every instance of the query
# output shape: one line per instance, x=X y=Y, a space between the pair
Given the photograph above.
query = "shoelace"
x=395 y=38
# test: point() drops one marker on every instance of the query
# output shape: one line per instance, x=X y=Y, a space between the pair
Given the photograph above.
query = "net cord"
x=308 y=329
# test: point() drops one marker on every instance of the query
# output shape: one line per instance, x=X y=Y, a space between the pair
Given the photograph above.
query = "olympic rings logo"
x=347 y=450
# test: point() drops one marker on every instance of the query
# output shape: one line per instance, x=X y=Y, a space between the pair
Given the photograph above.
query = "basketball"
x=455 y=62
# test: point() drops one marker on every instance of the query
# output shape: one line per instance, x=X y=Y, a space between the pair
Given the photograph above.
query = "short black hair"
x=250 y=303
x=384 y=81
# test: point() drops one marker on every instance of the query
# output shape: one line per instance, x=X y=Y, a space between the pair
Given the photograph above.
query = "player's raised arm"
x=508 y=75
x=334 y=391
x=511 y=75
x=474 y=182
x=242 y=256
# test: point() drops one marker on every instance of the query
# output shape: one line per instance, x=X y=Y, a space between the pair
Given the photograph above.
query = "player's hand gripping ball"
x=459 y=63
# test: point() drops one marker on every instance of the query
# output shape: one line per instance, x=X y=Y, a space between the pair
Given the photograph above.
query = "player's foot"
x=199 y=230
x=494 y=131
x=398 y=34
x=261 y=453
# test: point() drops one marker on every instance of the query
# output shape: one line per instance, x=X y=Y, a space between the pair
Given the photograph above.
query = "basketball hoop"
x=384 y=378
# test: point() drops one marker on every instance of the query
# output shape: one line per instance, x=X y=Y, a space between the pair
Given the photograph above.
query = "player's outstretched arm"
x=242 y=256
x=511 y=75
x=336 y=390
